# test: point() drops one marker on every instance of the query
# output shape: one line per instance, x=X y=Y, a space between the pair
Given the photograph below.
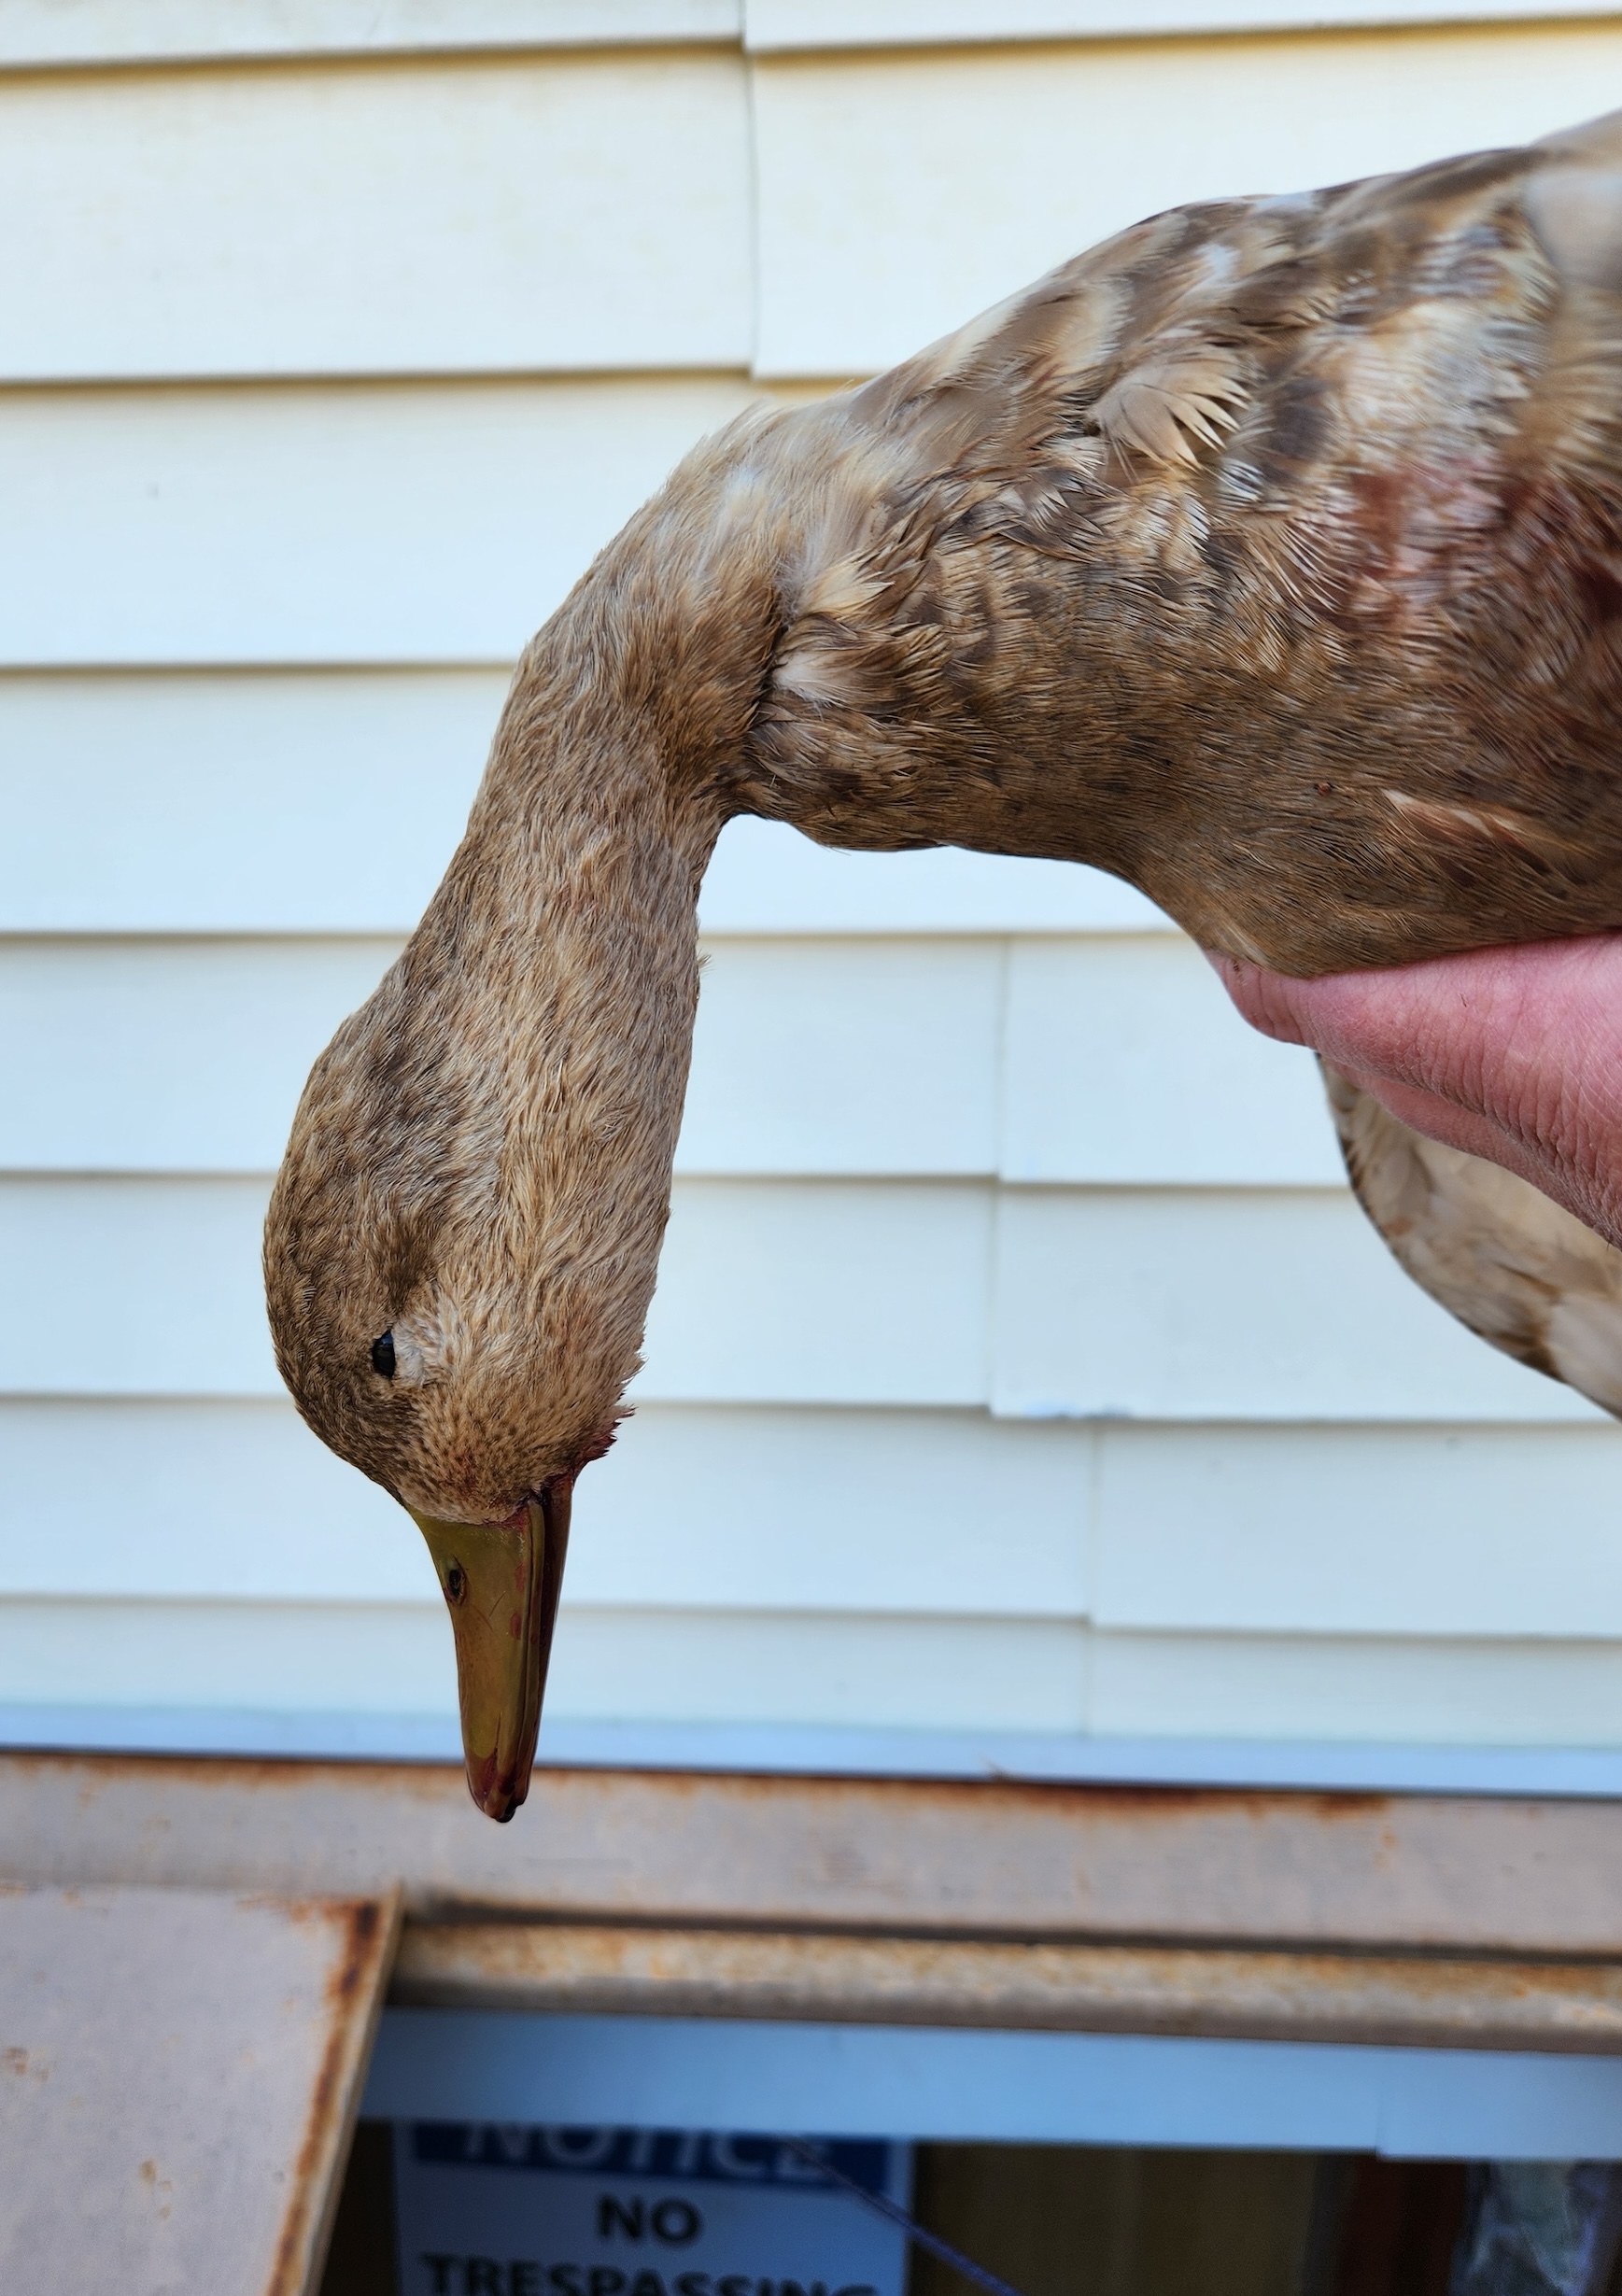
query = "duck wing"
x=1269 y=555
x=1512 y=1264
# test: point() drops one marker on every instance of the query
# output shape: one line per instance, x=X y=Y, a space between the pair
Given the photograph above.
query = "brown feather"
x=1269 y=555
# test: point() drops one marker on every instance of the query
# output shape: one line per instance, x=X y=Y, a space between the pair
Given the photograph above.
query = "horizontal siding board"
x=767 y=878
x=330 y=801
x=1125 y=1062
x=1232 y=1304
x=694 y=1509
x=245 y=804
x=1391 y=1531
x=132 y=1286
x=1368 y=1531
x=1042 y=1675
x=854 y=1056
x=778 y=24
x=822 y=1292
x=87 y=32
x=771 y=1291
x=1425 y=1690
x=180 y=1055
x=1365 y=1531
x=917 y=1674
x=829 y=1511
x=899 y=193
x=544 y=213
x=163 y=1055
x=278 y=524
x=288 y=1657
x=1163 y=1304
x=383 y=1658
x=197 y=1501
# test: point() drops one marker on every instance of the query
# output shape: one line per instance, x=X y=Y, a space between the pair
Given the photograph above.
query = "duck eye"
x=383 y=1356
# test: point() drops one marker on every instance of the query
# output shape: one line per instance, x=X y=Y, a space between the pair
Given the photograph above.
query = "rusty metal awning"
x=195 y=1950
x=179 y=2072
x=1418 y=2001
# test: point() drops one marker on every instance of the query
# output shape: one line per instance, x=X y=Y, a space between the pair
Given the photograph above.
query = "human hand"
x=1513 y=1054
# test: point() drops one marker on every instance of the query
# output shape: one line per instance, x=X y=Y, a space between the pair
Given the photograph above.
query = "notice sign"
x=485 y=2209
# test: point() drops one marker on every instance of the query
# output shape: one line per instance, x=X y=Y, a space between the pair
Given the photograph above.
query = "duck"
x=1268 y=555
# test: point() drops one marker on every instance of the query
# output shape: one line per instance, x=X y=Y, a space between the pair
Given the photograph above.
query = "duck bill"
x=500 y=1582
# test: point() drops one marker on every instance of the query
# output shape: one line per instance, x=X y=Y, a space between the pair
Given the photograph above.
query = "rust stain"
x=992 y=1856
x=242 y=1776
x=366 y=1927
x=1406 y=2000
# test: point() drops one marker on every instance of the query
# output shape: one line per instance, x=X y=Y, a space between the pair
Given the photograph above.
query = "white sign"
x=485 y=2209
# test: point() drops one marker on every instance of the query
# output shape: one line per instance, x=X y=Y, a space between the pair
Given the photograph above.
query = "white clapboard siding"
x=852 y=1056
x=102 y=31
x=901 y=193
x=1125 y=1062
x=99 y=32
x=767 y=878
x=918 y=1672
x=830 y=1512
x=1161 y=1305
x=915 y=1672
x=235 y=803
x=259 y=802
x=1420 y=1689
x=372 y=523
x=183 y=1499
x=383 y=1659
x=168 y=1054
x=380 y=1658
x=771 y=1292
x=163 y=1055
x=1232 y=1303
x=1363 y=1530
x=814 y=1293
x=132 y=1286
x=1355 y=1531
x=994 y=1234
x=826 y=1511
x=549 y=211
x=774 y=24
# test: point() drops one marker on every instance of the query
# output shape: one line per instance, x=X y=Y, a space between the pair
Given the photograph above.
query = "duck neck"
x=565 y=941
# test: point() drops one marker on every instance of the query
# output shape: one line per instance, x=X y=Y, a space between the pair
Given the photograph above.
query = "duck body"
x=1269 y=556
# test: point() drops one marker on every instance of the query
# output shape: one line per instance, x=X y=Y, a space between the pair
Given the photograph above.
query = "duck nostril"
x=456 y=1583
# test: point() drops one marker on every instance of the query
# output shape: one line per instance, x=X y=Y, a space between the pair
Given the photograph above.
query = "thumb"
x=1270 y=1002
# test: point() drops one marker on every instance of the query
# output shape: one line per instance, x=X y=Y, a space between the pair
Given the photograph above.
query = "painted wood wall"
x=1020 y=1362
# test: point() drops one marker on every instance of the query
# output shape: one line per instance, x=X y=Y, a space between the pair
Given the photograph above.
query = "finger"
x=1510 y=1053
x=1519 y=1035
x=1458 y=1128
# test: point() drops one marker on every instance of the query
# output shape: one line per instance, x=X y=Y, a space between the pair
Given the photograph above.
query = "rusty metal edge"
x=1337 y=1872
x=1404 y=2001
x=360 y=1986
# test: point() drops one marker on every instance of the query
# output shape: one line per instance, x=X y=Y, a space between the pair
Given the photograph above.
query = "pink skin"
x=1515 y=1055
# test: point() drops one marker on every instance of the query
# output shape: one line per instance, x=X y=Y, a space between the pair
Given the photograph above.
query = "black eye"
x=383 y=1356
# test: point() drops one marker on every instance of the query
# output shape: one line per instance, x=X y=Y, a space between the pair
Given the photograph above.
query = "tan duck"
x=1269 y=555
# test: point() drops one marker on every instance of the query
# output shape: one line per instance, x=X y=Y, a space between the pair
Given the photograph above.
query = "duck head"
x=464 y=1234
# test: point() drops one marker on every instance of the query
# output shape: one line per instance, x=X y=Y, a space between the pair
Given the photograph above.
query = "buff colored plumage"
x=1269 y=555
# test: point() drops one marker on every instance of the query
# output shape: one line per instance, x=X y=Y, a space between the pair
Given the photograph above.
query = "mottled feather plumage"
x=1269 y=555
